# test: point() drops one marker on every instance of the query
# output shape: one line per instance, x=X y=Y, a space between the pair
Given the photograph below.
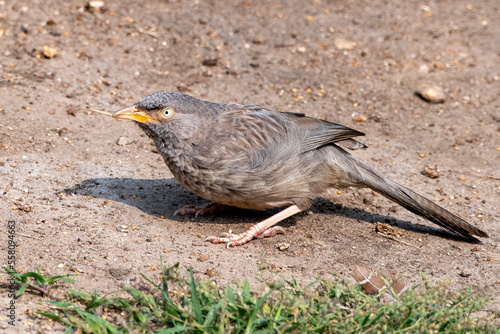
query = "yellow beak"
x=133 y=114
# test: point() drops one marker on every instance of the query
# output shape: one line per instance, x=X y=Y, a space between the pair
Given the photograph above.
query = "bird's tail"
x=418 y=204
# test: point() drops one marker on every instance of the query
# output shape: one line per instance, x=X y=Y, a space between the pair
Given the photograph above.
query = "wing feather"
x=319 y=133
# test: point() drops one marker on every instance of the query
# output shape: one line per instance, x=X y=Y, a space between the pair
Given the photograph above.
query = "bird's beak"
x=133 y=114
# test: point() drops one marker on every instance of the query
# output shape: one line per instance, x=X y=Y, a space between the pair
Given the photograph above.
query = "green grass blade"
x=16 y=276
x=54 y=317
x=278 y=313
x=247 y=296
x=21 y=290
x=176 y=329
x=230 y=296
x=39 y=278
x=51 y=280
x=211 y=314
x=149 y=280
x=195 y=301
x=253 y=317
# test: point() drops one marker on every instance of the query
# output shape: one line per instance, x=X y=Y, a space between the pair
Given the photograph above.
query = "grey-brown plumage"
x=253 y=157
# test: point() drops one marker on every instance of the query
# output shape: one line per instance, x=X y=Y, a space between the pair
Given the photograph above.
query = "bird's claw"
x=186 y=210
x=272 y=231
x=210 y=208
x=233 y=240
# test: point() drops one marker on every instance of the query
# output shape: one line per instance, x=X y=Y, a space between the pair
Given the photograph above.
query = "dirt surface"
x=91 y=196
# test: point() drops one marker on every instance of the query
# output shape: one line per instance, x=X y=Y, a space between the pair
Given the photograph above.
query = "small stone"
x=72 y=110
x=274 y=267
x=439 y=66
x=344 y=44
x=25 y=208
x=210 y=62
x=282 y=246
x=203 y=257
x=95 y=5
x=123 y=141
x=258 y=41
x=211 y=272
x=424 y=68
x=431 y=172
x=465 y=273
x=431 y=93
x=49 y=52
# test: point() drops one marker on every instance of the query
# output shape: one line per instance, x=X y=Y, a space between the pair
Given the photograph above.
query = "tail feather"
x=420 y=205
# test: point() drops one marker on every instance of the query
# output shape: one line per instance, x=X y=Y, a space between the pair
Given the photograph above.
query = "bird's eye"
x=167 y=112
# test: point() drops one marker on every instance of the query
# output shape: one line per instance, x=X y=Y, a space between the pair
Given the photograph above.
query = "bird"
x=254 y=157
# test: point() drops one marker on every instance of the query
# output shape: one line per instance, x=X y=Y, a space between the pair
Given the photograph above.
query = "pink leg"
x=210 y=208
x=260 y=230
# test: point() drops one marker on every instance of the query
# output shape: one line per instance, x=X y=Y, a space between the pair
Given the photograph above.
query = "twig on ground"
x=44 y=291
x=474 y=174
x=26 y=235
x=149 y=33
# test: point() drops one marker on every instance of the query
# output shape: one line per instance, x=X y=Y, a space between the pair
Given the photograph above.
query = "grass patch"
x=177 y=304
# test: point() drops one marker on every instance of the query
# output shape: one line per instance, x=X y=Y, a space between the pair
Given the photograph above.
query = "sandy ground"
x=91 y=196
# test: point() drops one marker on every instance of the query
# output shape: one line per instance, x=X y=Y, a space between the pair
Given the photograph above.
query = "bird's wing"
x=313 y=132
x=318 y=133
x=351 y=144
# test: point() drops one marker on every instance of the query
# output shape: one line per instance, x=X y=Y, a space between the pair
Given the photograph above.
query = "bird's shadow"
x=162 y=197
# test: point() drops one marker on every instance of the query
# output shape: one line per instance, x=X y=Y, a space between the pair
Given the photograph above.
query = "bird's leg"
x=260 y=230
x=210 y=208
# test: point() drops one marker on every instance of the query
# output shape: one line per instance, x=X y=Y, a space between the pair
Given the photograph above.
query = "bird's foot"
x=260 y=230
x=233 y=240
x=210 y=208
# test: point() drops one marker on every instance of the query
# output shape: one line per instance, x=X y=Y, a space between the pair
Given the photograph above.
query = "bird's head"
x=176 y=113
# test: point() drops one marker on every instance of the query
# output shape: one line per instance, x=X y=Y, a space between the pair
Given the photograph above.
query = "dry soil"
x=91 y=196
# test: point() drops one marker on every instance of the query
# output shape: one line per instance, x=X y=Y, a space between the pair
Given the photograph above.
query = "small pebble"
x=95 y=5
x=282 y=246
x=210 y=62
x=465 y=273
x=49 y=52
x=203 y=258
x=123 y=141
x=431 y=172
x=424 y=68
x=431 y=93
x=344 y=44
